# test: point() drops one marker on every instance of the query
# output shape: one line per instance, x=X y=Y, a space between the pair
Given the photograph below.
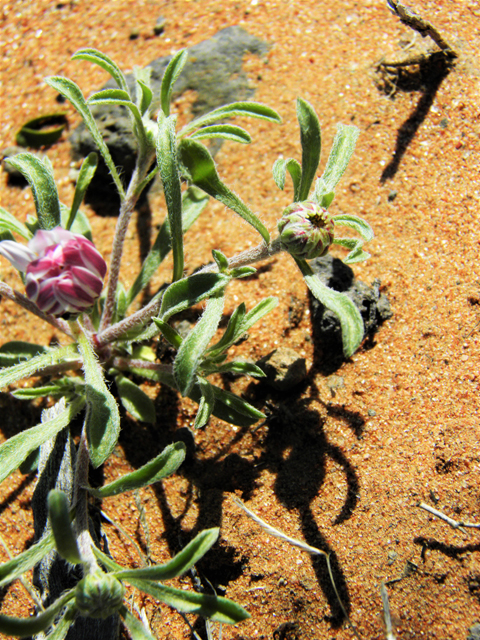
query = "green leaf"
x=103 y=418
x=63 y=625
x=80 y=225
x=225 y=131
x=220 y=259
x=356 y=223
x=69 y=90
x=10 y=223
x=199 y=167
x=242 y=272
x=134 y=400
x=135 y=627
x=146 y=97
x=346 y=311
x=293 y=167
x=167 y=162
x=310 y=137
x=17 y=351
x=342 y=150
x=102 y=60
x=39 y=175
x=187 y=292
x=216 y=608
x=239 y=367
x=122 y=99
x=87 y=171
x=169 y=333
x=17 y=566
x=25 y=627
x=194 y=202
x=357 y=254
x=16 y=449
x=63 y=387
x=36 y=364
x=160 y=467
x=242 y=109
x=59 y=517
x=206 y=404
x=194 y=345
x=178 y=565
x=170 y=76
x=143 y=88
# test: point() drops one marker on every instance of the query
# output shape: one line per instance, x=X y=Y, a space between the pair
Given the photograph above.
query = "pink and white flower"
x=64 y=272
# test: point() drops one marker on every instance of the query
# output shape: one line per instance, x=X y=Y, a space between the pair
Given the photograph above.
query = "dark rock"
x=213 y=71
x=284 y=369
x=373 y=306
x=159 y=27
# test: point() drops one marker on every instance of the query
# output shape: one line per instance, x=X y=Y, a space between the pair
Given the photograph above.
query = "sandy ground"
x=344 y=472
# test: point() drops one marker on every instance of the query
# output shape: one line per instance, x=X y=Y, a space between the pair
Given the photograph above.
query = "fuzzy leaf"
x=225 y=131
x=160 y=467
x=346 y=311
x=39 y=175
x=187 y=292
x=102 y=60
x=16 y=449
x=242 y=109
x=10 y=223
x=135 y=627
x=122 y=99
x=199 y=167
x=167 y=162
x=356 y=223
x=169 y=333
x=194 y=345
x=87 y=171
x=25 y=627
x=16 y=351
x=293 y=167
x=311 y=140
x=69 y=90
x=59 y=517
x=206 y=404
x=134 y=400
x=170 y=76
x=36 y=364
x=14 y=568
x=103 y=418
x=178 y=565
x=342 y=150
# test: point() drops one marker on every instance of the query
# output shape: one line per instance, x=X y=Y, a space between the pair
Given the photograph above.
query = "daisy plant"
x=107 y=335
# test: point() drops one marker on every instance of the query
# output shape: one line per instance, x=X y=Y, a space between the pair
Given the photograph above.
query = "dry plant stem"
x=453 y=523
x=424 y=27
x=23 y=301
x=250 y=256
x=389 y=635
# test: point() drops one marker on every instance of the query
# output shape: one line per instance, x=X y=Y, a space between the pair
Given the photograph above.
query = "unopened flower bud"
x=306 y=230
x=64 y=272
x=99 y=595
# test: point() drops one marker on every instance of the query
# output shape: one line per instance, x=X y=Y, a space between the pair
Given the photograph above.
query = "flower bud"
x=64 y=271
x=99 y=595
x=306 y=230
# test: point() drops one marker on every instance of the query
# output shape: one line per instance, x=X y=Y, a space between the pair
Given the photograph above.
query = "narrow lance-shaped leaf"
x=62 y=626
x=187 y=292
x=87 y=171
x=97 y=57
x=103 y=418
x=69 y=90
x=10 y=223
x=217 y=609
x=194 y=345
x=346 y=311
x=135 y=627
x=80 y=225
x=160 y=467
x=199 y=167
x=134 y=400
x=122 y=99
x=224 y=131
x=357 y=254
x=293 y=167
x=59 y=517
x=167 y=162
x=342 y=150
x=170 y=76
x=16 y=449
x=169 y=333
x=242 y=109
x=143 y=88
x=194 y=202
x=25 y=627
x=17 y=351
x=14 y=568
x=356 y=223
x=39 y=175
x=178 y=565
x=311 y=140
x=206 y=404
x=36 y=364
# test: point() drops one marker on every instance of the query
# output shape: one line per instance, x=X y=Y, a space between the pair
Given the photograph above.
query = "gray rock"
x=373 y=306
x=474 y=632
x=284 y=368
x=213 y=71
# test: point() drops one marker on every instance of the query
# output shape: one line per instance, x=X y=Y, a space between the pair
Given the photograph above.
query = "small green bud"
x=306 y=230
x=99 y=595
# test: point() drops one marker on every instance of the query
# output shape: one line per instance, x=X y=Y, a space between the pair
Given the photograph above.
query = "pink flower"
x=63 y=270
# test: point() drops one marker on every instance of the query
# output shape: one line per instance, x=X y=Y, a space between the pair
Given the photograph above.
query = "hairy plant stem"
x=23 y=301
x=126 y=210
x=250 y=256
x=84 y=539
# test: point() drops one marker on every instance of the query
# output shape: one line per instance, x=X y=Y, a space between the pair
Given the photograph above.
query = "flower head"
x=64 y=272
x=99 y=595
x=306 y=230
